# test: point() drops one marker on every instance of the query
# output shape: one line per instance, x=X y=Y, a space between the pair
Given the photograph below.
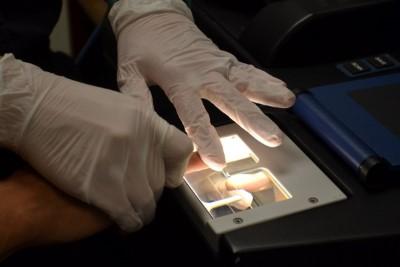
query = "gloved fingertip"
x=274 y=140
x=174 y=178
x=269 y=137
x=280 y=96
x=214 y=162
x=209 y=146
x=176 y=157
x=129 y=222
x=288 y=99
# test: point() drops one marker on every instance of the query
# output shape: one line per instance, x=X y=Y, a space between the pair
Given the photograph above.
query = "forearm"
x=14 y=236
x=12 y=230
x=16 y=215
x=32 y=212
x=95 y=9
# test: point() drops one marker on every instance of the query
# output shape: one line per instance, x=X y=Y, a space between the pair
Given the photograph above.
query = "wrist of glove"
x=166 y=48
x=103 y=147
x=125 y=12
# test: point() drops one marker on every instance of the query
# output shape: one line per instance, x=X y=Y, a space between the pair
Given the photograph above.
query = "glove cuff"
x=15 y=99
x=125 y=12
x=18 y=99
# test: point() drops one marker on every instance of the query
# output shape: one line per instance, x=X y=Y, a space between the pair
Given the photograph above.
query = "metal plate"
x=303 y=183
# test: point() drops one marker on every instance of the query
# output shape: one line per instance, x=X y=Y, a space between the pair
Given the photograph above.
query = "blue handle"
x=337 y=136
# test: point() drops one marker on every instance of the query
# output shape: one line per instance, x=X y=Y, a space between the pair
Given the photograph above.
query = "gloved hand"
x=158 y=43
x=104 y=148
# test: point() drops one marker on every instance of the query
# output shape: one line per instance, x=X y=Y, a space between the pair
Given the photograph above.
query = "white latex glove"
x=105 y=148
x=158 y=43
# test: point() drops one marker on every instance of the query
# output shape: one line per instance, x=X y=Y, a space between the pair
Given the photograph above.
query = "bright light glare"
x=236 y=149
x=253 y=182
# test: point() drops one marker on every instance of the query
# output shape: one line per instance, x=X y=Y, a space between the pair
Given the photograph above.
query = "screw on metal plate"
x=237 y=220
x=313 y=200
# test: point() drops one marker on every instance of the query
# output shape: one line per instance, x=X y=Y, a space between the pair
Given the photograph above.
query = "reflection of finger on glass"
x=195 y=164
x=250 y=182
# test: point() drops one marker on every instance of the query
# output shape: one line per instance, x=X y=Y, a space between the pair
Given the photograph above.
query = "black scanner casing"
x=303 y=32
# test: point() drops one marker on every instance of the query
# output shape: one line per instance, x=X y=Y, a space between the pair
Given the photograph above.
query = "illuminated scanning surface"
x=293 y=180
x=254 y=182
x=235 y=149
x=243 y=184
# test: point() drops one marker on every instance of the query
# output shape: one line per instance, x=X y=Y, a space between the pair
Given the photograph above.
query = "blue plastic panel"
x=337 y=101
